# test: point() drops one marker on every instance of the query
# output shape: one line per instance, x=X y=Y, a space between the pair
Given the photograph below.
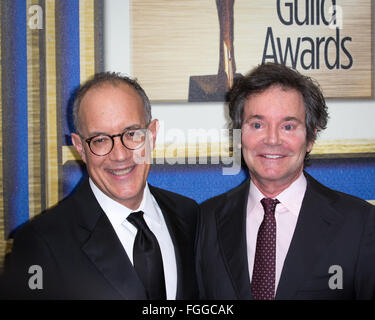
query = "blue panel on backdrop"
x=353 y=176
x=70 y=61
x=15 y=126
x=201 y=182
x=73 y=173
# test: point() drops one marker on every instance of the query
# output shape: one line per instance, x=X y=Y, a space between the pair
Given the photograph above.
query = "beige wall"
x=349 y=119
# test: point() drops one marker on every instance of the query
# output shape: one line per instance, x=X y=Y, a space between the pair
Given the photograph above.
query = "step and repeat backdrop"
x=183 y=52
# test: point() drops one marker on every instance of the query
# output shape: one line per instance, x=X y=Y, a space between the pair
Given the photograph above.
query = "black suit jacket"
x=333 y=229
x=82 y=258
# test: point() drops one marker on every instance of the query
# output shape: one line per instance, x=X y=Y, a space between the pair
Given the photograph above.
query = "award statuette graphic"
x=215 y=87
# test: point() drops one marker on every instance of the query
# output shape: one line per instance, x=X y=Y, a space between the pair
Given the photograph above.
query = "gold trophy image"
x=215 y=87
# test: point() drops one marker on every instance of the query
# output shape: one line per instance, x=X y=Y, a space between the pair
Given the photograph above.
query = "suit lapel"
x=176 y=230
x=316 y=226
x=104 y=249
x=231 y=229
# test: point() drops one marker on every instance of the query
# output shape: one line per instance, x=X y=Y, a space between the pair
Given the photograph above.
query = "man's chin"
x=268 y=176
x=130 y=200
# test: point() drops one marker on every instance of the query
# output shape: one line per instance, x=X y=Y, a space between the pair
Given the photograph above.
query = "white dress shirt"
x=126 y=232
x=286 y=215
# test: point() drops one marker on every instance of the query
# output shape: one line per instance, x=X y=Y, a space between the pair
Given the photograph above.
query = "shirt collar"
x=117 y=213
x=291 y=197
x=254 y=196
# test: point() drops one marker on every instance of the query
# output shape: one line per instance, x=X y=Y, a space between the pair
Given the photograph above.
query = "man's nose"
x=119 y=151
x=273 y=135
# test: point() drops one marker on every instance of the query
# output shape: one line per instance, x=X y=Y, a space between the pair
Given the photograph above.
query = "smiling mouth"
x=120 y=172
x=272 y=156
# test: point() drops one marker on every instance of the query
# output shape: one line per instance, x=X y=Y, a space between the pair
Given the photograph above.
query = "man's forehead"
x=275 y=102
x=111 y=103
x=105 y=90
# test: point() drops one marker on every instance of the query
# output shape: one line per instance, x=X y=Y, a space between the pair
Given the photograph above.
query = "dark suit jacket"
x=333 y=229
x=82 y=257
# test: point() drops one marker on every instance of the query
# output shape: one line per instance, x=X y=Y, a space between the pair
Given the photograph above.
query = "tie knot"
x=137 y=220
x=269 y=205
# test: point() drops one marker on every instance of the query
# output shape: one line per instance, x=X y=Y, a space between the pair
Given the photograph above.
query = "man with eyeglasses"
x=116 y=236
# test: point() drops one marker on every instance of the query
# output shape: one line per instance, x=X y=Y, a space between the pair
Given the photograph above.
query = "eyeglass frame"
x=88 y=140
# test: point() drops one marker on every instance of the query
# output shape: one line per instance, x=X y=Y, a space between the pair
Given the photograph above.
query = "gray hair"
x=113 y=78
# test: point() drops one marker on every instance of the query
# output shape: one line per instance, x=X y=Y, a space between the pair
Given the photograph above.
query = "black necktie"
x=263 y=280
x=147 y=259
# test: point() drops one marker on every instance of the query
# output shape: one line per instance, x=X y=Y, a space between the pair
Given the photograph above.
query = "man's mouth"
x=272 y=156
x=121 y=172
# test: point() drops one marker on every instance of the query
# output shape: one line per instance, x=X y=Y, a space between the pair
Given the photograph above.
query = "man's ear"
x=154 y=128
x=77 y=142
x=310 y=144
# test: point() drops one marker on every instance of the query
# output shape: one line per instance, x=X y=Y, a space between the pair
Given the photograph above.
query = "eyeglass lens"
x=131 y=139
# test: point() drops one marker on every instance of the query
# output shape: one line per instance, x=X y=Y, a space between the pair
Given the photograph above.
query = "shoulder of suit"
x=238 y=192
x=172 y=195
x=53 y=220
x=339 y=199
x=176 y=206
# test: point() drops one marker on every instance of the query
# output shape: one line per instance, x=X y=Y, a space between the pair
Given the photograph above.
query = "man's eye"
x=256 y=125
x=288 y=127
x=130 y=134
x=100 y=140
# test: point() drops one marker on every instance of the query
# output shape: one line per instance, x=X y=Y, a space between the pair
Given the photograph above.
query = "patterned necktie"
x=147 y=259
x=263 y=280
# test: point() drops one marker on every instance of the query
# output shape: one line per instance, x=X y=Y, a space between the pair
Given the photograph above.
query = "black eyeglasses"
x=131 y=139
